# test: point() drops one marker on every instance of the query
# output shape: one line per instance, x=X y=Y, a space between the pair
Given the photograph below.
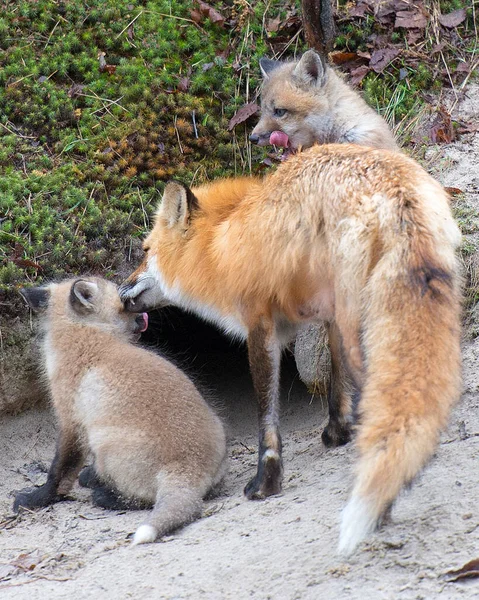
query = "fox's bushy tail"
x=411 y=340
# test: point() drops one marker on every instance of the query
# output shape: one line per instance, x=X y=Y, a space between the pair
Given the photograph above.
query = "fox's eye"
x=146 y=248
x=280 y=112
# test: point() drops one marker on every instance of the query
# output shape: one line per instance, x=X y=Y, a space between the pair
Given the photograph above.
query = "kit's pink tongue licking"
x=278 y=138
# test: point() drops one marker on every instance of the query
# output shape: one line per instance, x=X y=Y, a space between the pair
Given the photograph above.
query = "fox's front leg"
x=264 y=353
x=64 y=469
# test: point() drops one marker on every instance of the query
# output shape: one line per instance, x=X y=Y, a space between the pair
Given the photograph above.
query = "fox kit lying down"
x=153 y=438
x=306 y=102
x=361 y=238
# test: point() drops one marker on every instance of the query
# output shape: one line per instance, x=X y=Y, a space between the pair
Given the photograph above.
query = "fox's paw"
x=268 y=479
x=335 y=434
x=35 y=498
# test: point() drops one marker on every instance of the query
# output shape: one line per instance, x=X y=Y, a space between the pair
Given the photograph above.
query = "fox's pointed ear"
x=83 y=296
x=311 y=70
x=177 y=205
x=36 y=297
x=267 y=65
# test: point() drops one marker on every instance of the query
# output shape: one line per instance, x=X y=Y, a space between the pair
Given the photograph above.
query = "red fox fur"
x=361 y=238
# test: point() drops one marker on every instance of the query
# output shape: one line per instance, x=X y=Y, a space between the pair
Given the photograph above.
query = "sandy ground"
x=281 y=548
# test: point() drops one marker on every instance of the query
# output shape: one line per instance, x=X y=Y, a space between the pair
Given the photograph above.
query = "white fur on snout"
x=145 y=534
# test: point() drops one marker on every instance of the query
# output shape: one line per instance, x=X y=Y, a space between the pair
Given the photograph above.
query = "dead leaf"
x=27 y=561
x=272 y=25
x=208 y=66
x=340 y=58
x=357 y=75
x=452 y=191
x=25 y=263
x=359 y=10
x=211 y=13
x=410 y=19
x=183 y=84
x=442 y=131
x=453 y=19
x=241 y=115
x=463 y=67
x=195 y=16
x=104 y=68
x=75 y=90
x=381 y=58
x=470 y=569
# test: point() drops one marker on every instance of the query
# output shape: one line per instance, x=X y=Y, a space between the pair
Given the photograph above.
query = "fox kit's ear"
x=177 y=205
x=310 y=70
x=36 y=297
x=83 y=295
x=267 y=65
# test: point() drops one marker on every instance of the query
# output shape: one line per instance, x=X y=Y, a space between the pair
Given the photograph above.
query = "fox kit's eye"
x=280 y=112
x=146 y=248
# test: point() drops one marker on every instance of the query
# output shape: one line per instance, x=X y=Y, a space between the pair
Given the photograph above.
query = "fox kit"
x=361 y=238
x=306 y=102
x=153 y=438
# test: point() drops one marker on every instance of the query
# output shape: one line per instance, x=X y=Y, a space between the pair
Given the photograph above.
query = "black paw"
x=106 y=497
x=35 y=498
x=88 y=478
x=268 y=480
x=336 y=435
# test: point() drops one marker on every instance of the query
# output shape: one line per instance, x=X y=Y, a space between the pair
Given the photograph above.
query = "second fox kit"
x=153 y=438
x=361 y=238
x=308 y=103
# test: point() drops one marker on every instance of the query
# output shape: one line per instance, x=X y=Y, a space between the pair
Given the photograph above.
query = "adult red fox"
x=154 y=439
x=358 y=237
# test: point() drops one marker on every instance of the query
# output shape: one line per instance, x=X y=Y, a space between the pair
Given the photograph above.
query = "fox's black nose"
x=254 y=138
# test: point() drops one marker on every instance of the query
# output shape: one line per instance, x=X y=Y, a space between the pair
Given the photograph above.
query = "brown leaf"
x=442 y=130
x=340 y=58
x=195 y=15
x=27 y=561
x=463 y=67
x=357 y=75
x=381 y=58
x=211 y=13
x=183 y=84
x=104 y=68
x=24 y=263
x=410 y=19
x=272 y=25
x=453 y=19
x=452 y=191
x=75 y=90
x=470 y=569
x=241 y=115
x=208 y=66
x=359 y=10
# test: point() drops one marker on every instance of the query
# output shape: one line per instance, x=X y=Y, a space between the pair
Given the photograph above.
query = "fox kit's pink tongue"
x=278 y=138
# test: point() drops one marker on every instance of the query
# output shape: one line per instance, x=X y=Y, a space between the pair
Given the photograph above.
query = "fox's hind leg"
x=264 y=353
x=338 y=431
x=61 y=476
x=178 y=502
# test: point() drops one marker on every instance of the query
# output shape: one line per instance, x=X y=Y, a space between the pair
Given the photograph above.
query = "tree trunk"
x=318 y=24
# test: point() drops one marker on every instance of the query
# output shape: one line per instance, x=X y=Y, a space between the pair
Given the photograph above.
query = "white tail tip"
x=145 y=534
x=358 y=521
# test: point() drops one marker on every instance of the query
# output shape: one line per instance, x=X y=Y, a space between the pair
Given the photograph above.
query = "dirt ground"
x=281 y=548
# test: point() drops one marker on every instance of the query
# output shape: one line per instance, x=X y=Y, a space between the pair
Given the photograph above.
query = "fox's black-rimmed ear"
x=267 y=66
x=311 y=70
x=83 y=295
x=178 y=203
x=36 y=297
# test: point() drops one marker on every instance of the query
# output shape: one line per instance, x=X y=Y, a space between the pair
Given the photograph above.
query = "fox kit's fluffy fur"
x=361 y=238
x=311 y=104
x=153 y=438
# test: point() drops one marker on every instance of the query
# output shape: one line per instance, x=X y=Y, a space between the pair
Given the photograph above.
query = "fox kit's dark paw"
x=35 y=498
x=88 y=478
x=268 y=479
x=106 y=497
x=335 y=435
